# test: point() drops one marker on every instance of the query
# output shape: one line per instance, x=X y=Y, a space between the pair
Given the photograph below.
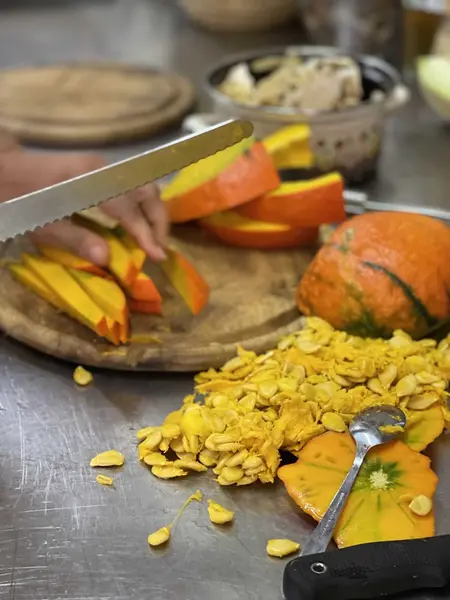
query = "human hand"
x=141 y=212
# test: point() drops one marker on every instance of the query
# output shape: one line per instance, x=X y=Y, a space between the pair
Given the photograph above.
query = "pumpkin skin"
x=380 y=272
x=371 y=514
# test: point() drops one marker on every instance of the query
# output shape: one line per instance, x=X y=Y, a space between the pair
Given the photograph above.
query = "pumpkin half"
x=380 y=272
x=378 y=507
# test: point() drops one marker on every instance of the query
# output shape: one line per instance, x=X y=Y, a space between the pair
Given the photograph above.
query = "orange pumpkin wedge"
x=145 y=307
x=289 y=147
x=138 y=255
x=236 y=230
x=70 y=293
x=67 y=259
x=144 y=289
x=104 y=292
x=248 y=177
x=186 y=280
x=121 y=261
x=300 y=204
x=205 y=170
x=376 y=510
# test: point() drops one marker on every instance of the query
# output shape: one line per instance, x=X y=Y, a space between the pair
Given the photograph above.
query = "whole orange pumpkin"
x=380 y=272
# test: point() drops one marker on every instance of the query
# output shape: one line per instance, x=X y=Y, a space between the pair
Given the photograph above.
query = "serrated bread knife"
x=36 y=209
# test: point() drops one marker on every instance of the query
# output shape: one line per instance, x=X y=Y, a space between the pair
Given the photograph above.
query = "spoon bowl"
x=377 y=425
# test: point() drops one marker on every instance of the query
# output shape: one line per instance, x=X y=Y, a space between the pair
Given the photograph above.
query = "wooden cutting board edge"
x=171 y=358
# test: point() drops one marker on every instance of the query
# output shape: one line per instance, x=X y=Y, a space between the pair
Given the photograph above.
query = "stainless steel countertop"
x=61 y=534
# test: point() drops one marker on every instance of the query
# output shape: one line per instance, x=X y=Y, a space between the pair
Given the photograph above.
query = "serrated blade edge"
x=50 y=204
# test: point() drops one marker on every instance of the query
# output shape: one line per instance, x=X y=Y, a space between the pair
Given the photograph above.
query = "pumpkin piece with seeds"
x=373 y=512
x=110 y=458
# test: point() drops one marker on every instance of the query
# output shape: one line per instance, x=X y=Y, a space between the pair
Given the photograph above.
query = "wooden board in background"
x=252 y=303
x=90 y=103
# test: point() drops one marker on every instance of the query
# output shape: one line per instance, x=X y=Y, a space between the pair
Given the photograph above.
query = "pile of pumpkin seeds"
x=317 y=379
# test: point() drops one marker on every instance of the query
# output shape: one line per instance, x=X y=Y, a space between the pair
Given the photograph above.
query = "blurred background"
x=189 y=38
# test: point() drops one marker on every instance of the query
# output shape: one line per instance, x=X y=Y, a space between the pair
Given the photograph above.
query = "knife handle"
x=370 y=570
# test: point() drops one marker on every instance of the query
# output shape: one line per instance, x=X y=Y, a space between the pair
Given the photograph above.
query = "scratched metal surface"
x=62 y=535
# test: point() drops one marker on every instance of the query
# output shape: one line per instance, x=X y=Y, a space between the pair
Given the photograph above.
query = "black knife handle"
x=370 y=570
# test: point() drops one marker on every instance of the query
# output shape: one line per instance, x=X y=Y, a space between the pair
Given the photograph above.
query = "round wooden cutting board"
x=252 y=303
x=80 y=104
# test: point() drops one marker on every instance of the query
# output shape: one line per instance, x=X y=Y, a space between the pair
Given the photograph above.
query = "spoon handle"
x=321 y=537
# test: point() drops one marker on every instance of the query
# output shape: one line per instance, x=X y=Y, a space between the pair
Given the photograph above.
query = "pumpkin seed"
x=167 y=472
x=333 y=422
x=406 y=386
x=82 y=376
x=154 y=459
x=375 y=386
x=110 y=458
x=237 y=459
x=388 y=375
x=421 y=505
x=152 y=441
x=170 y=431
x=208 y=458
x=104 y=480
x=422 y=401
x=160 y=537
x=218 y=514
x=190 y=465
x=232 y=474
x=281 y=548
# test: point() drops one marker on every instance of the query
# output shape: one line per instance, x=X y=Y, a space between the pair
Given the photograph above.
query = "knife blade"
x=36 y=209
x=370 y=570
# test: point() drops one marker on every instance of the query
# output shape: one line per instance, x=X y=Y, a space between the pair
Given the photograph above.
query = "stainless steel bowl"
x=348 y=140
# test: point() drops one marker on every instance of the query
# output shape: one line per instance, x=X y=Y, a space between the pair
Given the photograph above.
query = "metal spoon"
x=365 y=430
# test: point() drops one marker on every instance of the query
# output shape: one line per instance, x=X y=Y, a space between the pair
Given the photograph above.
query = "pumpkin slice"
x=67 y=259
x=138 y=255
x=145 y=307
x=250 y=176
x=300 y=203
x=28 y=278
x=144 y=289
x=236 y=230
x=375 y=511
x=121 y=261
x=186 y=280
x=70 y=293
x=104 y=292
x=204 y=170
x=426 y=426
x=289 y=147
x=23 y=274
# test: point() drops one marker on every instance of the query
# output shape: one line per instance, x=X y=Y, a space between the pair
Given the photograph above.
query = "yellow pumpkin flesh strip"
x=58 y=279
